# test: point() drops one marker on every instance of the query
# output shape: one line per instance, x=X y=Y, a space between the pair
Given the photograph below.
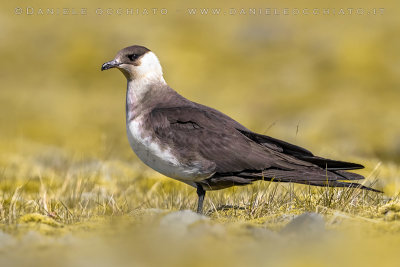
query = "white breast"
x=158 y=158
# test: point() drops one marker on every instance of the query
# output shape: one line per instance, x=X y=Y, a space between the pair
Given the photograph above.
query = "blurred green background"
x=330 y=83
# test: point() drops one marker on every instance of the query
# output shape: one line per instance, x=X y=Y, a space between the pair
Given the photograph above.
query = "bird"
x=205 y=148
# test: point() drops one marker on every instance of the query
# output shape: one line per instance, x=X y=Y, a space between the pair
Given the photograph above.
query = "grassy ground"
x=67 y=211
x=72 y=193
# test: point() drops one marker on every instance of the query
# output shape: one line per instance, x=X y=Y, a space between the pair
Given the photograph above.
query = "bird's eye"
x=132 y=57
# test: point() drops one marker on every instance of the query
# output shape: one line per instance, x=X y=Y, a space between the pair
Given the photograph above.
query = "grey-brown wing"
x=215 y=141
x=199 y=135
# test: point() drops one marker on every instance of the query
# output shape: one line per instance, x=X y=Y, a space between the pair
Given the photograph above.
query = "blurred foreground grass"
x=61 y=209
x=72 y=193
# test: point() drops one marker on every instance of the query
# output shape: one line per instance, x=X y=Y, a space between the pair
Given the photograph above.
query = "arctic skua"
x=205 y=148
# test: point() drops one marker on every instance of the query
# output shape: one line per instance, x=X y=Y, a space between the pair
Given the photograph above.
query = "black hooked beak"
x=110 y=64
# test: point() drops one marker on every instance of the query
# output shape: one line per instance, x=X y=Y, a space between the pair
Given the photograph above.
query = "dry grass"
x=105 y=212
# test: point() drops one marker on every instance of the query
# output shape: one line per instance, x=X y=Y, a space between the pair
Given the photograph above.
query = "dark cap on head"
x=134 y=49
x=127 y=55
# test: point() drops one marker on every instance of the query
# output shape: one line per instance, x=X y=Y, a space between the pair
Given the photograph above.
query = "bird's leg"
x=201 y=194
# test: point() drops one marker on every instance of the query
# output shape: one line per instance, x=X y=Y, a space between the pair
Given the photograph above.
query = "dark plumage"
x=213 y=150
x=238 y=156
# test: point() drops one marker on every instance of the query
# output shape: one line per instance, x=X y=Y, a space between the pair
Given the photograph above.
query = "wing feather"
x=233 y=155
x=206 y=136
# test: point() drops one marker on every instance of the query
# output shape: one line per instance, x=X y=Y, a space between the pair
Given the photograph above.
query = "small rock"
x=183 y=218
x=262 y=233
x=179 y=223
x=6 y=240
x=306 y=224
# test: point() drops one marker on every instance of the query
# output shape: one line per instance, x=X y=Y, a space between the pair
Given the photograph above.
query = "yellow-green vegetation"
x=72 y=193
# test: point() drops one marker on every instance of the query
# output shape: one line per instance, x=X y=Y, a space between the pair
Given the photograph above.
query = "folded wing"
x=236 y=156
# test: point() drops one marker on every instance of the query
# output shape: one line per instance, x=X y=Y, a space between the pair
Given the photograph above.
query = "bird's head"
x=136 y=62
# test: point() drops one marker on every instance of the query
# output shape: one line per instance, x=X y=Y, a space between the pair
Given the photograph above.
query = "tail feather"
x=349 y=175
x=345 y=184
x=311 y=176
x=331 y=165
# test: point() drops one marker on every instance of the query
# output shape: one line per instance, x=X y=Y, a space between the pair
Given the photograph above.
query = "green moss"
x=36 y=218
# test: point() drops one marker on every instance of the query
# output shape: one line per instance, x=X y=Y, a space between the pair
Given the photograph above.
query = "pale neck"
x=136 y=92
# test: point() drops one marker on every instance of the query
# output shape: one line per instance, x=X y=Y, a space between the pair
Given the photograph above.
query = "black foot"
x=201 y=194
